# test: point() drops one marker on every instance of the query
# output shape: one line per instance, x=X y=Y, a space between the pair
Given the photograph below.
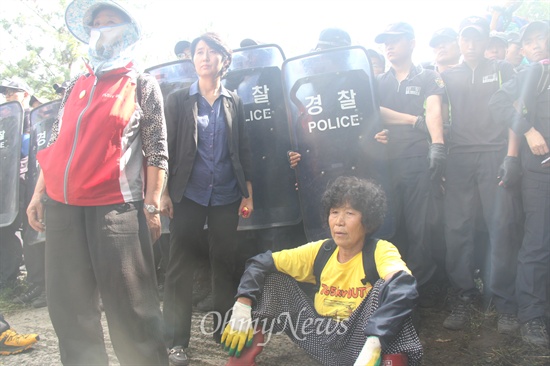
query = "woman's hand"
x=293 y=158
x=371 y=354
x=246 y=207
x=239 y=332
x=247 y=204
x=382 y=137
x=153 y=222
x=35 y=213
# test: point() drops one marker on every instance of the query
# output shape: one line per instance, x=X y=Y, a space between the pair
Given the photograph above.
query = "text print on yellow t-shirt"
x=342 y=308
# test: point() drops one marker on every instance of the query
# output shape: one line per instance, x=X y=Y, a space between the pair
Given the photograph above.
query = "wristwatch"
x=152 y=209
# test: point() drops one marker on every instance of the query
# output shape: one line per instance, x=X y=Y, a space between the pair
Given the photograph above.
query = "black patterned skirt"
x=285 y=307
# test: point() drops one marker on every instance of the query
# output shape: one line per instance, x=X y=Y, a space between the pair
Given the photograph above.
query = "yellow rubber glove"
x=370 y=354
x=239 y=331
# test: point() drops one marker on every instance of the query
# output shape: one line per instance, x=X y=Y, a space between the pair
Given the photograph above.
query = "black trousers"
x=471 y=182
x=411 y=187
x=11 y=252
x=186 y=228
x=3 y=324
x=35 y=263
x=103 y=250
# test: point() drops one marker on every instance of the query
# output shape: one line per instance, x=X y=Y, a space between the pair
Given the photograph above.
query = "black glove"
x=420 y=125
x=437 y=157
x=509 y=172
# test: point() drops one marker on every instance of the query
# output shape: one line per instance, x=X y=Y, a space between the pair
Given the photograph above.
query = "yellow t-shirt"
x=341 y=289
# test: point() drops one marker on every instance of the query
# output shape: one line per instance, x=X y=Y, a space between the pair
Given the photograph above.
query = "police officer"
x=182 y=49
x=477 y=147
x=444 y=43
x=11 y=251
x=513 y=52
x=531 y=88
x=534 y=41
x=410 y=106
x=497 y=46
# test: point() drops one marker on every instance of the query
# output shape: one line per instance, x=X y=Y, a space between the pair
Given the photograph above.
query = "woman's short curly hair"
x=363 y=195
x=214 y=41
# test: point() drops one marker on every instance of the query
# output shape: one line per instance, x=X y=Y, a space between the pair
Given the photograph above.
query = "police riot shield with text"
x=41 y=121
x=334 y=116
x=173 y=75
x=255 y=75
x=11 y=130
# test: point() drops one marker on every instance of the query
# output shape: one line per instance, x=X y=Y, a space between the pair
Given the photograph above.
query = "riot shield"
x=173 y=75
x=255 y=75
x=334 y=116
x=41 y=120
x=11 y=130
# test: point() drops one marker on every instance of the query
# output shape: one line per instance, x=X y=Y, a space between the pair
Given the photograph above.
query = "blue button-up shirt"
x=212 y=181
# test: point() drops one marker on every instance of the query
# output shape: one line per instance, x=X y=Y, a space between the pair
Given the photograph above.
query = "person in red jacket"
x=100 y=184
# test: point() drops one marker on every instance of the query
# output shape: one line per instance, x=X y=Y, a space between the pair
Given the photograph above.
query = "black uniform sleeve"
x=397 y=300
x=507 y=71
x=433 y=84
x=502 y=102
x=252 y=281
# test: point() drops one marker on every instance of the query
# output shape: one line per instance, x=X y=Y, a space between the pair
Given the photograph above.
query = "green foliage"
x=534 y=10
x=40 y=49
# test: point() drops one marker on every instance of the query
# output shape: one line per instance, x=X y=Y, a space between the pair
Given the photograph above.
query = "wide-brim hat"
x=79 y=14
x=16 y=84
x=35 y=99
x=60 y=88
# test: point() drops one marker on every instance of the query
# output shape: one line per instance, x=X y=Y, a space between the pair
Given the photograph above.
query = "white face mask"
x=107 y=42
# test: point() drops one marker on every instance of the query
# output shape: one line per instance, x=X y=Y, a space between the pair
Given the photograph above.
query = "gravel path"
x=280 y=351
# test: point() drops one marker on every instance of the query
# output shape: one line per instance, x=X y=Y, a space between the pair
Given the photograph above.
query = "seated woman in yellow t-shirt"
x=353 y=319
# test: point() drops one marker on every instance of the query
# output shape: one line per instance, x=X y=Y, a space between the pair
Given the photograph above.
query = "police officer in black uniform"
x=477 y=147
x=410 y=106
x=531 y=88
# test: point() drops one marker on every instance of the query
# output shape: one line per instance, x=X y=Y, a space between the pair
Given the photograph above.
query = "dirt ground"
x=479 y=345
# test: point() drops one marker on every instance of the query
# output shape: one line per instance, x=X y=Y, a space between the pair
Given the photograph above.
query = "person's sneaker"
x=178 y=357
x=12 y=343
x=507 y=324
x=534 y=332
x=459 y=317
x=206 y=304
x=40 y=301
x=32 y=293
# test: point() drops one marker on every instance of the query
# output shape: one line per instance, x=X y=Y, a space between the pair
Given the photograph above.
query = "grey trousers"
x=471 y=182
x=107 y=251
x=534 y=254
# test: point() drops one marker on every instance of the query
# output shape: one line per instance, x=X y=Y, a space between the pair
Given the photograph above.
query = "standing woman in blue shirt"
x=210 y=170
